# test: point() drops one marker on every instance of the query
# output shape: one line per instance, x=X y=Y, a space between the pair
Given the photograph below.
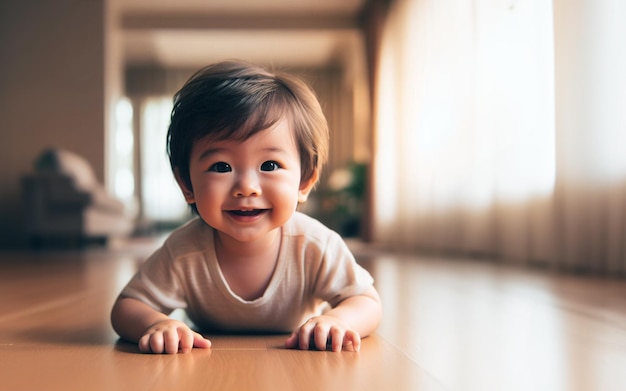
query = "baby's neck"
x=248 y=267
x=230 y=248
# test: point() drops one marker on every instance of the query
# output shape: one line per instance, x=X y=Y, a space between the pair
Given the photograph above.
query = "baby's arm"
x=154 y=331
x=354 y=318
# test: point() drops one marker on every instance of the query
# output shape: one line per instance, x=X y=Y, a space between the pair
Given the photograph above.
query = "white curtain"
x=500 y=129
x=162 y=200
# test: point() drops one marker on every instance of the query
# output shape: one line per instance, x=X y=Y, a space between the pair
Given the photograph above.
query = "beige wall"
x=51 y=91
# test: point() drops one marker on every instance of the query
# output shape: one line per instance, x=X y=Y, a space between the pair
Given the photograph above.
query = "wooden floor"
x=449 y=325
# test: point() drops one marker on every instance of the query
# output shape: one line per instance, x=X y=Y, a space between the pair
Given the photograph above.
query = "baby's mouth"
x=247 y=212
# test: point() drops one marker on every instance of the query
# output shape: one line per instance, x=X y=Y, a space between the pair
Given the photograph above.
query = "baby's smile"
x=247 y=212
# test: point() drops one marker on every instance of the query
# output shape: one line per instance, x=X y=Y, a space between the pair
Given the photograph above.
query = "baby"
x=246 y=147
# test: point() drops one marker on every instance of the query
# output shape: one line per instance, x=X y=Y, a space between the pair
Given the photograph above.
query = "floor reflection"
x=478 y=325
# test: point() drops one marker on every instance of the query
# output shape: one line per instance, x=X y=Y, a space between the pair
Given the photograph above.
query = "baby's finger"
x=199 y=341
x=320 y=335
x=305 y=334
x=156 y=343
x=292 y=341
x=352 y=337
x=171 y=340
x=185 y=340
x=337 y=339
x=144 y=344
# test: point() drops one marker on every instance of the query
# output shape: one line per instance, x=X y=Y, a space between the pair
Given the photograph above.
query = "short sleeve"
x=339 y=276
x=156 y=284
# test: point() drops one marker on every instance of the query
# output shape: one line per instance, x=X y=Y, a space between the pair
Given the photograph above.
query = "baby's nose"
x=247 y=185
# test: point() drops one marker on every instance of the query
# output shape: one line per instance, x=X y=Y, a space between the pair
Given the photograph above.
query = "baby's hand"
x=324 y=332
x=171 y=336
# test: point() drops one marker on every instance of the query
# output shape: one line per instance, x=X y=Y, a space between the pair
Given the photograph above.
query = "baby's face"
x=247 y=189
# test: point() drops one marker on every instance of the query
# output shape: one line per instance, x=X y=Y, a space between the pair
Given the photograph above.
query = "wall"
x=51 y=91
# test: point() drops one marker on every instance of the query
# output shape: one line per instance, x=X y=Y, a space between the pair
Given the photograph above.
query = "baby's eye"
x=270 y=166
x=220 y=167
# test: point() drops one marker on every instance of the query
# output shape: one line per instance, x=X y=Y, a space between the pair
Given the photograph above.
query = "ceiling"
x=192 y=33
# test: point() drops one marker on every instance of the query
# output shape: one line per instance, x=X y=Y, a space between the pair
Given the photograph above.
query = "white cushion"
x=68 y=163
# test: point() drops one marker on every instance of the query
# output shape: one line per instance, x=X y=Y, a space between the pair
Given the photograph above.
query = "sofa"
x=64 y=203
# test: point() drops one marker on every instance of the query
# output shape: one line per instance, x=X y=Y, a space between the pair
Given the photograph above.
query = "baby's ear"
x=306 y=186
x=186 y=189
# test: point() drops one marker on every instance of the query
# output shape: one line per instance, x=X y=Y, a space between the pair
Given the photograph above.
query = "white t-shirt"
x=314 y=267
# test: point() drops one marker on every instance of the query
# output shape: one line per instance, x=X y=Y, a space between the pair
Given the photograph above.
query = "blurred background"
x=491 y=128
